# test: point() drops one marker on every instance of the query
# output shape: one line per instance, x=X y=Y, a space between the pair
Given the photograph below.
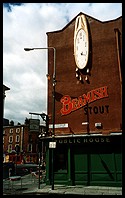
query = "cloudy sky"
x=25 y=25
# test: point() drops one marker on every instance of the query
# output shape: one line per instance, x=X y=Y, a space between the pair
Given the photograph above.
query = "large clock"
x=81 y=42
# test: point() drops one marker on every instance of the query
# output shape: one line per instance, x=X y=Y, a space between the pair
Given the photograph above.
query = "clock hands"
x=83 y=54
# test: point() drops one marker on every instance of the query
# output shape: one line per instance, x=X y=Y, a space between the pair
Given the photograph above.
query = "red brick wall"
x=104 y=71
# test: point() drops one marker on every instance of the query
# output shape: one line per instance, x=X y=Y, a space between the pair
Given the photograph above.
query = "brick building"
x=27 y=142
x=88 y=106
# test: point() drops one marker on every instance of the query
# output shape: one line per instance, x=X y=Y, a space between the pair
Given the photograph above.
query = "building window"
x=17 y=130
x=9 y=148
x=29 y=149
x=61 y=158
x=30 y=138
x=11 y=130
x=10 y=139
x=17 y=138
x=17 y=148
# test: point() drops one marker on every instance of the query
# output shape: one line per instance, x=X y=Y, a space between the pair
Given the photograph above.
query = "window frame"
x=10 y=148
x=10 y=137
x=29 y=145
x=11 y=130
x=17 y=130
x=17 y=138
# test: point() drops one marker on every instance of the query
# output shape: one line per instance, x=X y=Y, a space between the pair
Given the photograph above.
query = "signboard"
x=65 y=125
x=52 y=144
x=34 y=125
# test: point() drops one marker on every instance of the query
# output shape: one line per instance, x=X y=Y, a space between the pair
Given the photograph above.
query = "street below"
x=30 y=187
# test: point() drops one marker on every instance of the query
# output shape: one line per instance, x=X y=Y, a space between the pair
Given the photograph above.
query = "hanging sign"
x=34 y=125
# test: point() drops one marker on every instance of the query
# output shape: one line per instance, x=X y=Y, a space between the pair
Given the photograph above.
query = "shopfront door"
x=97 y=164
x=80 y=171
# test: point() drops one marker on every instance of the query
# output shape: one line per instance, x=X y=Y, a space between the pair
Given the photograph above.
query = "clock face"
x=81 y=49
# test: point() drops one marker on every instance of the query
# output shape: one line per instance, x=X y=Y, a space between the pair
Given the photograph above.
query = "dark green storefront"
x=86 y=160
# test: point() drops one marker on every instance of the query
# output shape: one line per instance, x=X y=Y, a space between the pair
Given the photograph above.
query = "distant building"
x=26 y=141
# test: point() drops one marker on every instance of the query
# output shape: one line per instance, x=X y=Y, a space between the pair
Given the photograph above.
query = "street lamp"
x=53 y=103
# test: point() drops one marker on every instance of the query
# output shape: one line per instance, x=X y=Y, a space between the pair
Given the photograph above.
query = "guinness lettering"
x=74 y=104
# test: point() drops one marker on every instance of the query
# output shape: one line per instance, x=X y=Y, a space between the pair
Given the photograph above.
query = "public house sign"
x=83 y=140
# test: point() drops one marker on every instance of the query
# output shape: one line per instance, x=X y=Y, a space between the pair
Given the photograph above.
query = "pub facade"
x=88 y=103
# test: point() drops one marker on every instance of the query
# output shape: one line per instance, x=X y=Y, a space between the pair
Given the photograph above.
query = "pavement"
x=30 y=186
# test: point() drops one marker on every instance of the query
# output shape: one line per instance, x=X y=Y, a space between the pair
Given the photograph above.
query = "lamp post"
x=53 y=103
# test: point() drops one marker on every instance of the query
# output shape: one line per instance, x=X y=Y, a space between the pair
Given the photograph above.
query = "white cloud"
x=25 y=72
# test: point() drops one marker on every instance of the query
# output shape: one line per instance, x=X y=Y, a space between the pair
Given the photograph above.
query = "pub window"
x=61 y=158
